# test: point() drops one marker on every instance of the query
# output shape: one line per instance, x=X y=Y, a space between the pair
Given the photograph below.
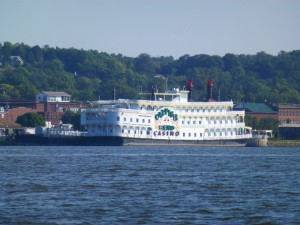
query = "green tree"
x=31 y=119
x=73 y=118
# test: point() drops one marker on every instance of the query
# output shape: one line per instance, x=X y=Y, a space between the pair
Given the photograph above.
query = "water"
x=146 y=185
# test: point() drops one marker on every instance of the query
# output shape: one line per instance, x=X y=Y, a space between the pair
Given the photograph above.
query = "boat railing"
x=242 y=136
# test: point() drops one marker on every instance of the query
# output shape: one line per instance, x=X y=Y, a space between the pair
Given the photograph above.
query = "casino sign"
x=166 y=123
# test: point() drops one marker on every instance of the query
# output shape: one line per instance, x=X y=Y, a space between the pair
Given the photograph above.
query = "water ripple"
x=133 y=185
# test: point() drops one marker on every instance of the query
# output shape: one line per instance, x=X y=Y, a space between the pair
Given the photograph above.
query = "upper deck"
x=175 y=99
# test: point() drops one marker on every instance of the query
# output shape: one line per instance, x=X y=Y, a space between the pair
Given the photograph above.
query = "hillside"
x=90 y=75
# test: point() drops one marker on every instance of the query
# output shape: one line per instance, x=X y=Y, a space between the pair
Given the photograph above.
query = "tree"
x=31 y=119
x=73 y=118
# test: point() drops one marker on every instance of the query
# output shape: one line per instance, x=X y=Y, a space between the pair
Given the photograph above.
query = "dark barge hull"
x=36 y=140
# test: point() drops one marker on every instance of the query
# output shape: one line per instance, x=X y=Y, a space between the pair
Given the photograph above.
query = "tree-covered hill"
x=90 y=75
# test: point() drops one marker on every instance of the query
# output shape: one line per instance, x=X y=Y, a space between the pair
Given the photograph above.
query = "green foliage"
x=31 y=119
x=88 y=75
x=73 y=118
x=262 y=124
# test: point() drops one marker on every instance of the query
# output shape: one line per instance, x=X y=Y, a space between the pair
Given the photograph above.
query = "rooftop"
x=55 y=93
x=255 y=108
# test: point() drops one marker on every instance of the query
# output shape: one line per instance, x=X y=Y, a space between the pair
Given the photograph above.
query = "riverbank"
x=283 y=143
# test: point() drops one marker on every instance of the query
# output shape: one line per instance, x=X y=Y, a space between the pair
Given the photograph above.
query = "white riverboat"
x=168 y=118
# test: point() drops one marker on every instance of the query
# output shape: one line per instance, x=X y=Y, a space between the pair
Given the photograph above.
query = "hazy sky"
x=155 y=27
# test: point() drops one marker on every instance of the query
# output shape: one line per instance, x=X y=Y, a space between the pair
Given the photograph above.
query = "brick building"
x=288 y=113
x=288 y=116
x=51 y=105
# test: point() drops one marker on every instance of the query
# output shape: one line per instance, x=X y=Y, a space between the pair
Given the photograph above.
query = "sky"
x=155 y=27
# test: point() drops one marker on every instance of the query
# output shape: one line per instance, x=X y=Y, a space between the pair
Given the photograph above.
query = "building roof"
x=55 y=93
x=287 y=106
x=255 y=108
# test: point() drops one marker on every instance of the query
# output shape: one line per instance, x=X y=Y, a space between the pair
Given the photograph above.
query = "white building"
x=16 y=61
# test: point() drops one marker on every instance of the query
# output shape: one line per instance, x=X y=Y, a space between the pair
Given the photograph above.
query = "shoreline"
x=283 y=143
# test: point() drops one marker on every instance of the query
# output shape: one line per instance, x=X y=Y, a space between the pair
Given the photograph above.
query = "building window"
x=118 y=118
x=149 y=121
x=130 y=119
x=137 y=120
x=124 y=119
x=195 y=135
x=143 y=121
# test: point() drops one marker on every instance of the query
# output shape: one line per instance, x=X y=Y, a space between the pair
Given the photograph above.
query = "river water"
x=149 y=185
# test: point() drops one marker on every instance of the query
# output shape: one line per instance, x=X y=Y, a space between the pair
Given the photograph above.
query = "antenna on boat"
x=114 y=93
x=152 y=93
x=163 y=78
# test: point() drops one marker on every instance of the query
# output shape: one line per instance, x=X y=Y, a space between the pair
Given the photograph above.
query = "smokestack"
x=189 y=87
x=209 y=86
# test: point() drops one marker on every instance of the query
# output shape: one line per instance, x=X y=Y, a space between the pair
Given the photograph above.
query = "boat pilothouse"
x=169 y=117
